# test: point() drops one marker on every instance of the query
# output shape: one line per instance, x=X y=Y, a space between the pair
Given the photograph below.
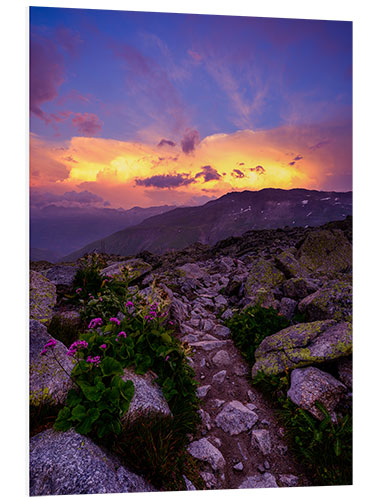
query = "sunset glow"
x=150 y=109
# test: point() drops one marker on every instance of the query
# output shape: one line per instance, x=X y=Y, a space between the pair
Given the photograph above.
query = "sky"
x=143 y=109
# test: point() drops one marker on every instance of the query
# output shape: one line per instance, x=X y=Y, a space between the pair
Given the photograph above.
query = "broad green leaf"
x=92 y=393
x=73 y=398
x=63 y=422
x=111 y=366
x=78 y=412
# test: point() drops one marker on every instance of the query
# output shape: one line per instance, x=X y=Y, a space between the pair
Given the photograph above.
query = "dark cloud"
x=209 y=174
x=166 y=142
x=319 y=145
x=70 y=159
x=166 y=181
x=87 y=124
x=298 y=157
x=291 y=163
x=40 y=199
x=237 y=173
x=46 y=74
x=258 y=169
x=241 y=164
x=189 y=140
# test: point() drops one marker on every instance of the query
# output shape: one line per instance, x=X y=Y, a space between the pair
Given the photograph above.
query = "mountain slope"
x=60 y=230
x=231 y=215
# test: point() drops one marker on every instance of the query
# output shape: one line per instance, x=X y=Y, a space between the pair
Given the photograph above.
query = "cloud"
x=190 y=140
x=297 y=158
x=166 y=181
x=197 y=57
x=319 y=145
x=166 y=142
x=258 y=169
x=68 y=40
x=87 y=124
x=70 y=159
x=40 y=199
x=46 y=74
x=209 y=174
x=237 y=173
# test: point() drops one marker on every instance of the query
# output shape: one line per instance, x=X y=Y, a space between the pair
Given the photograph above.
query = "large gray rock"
x=262 y=274
x=61 y=274
x=298 y=288
x=287 y=307
x=266 y=480
x=235 y=418
x=325 y=251
x=345 y=370
x=66 y=463
x=191 y=270
x=334 y=300
x=309 y=385
x=42 y=297
x=207 y=452
x=148 y=397
x=49 y=373
x=134 y=268
x=289 y=265
x=179 y=311
x=303 y=344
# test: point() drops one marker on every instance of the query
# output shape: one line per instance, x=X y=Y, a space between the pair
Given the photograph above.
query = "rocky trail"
x=240 y=440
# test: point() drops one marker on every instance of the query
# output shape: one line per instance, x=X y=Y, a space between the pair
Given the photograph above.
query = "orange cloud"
x=134 y=173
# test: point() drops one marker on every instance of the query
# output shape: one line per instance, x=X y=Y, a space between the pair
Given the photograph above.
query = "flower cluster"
x=103 y=346
x=115 y=321
x=129 y=304
x=153 y=312
x=51 y=343
x=95 y=322
x=121 y=334
x=78 y=344
x=95 y=360
x=79 y=290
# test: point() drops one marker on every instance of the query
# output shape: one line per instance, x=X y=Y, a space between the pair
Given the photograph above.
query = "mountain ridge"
x=230 y=215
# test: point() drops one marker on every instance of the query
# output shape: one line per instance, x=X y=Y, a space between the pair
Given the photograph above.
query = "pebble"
x=238 y=466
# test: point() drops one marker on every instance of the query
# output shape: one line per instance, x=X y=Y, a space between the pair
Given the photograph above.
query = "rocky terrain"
x=304 y=273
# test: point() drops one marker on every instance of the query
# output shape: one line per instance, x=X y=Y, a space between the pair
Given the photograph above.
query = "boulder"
x=133 y=268
x=325 y=251
x=288 y=480
x=266 y=480
x=221 y=358
x=191 y=270
x=345 y=371
x=179 y=311
x=334 y=300
x=299 y=288
x=148 y=396
x=42 y=297
x=235 y=418
x=289 y=265
x=287 y=307
x=61 y=275
x=303 y=344
x=49 y=373
x=262 y=274
x=207 y=452
x=309 y=385
x=66 y=463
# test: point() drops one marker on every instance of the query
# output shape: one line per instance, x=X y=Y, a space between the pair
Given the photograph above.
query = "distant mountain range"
x=231 y=215
x=56 y=231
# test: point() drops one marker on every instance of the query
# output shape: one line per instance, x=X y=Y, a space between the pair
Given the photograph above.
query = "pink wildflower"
x=115 y=320
x=103 y=346
x=122 y=334
x=95 y=322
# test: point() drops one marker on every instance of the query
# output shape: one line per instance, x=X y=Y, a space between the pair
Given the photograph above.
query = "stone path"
x=240 y=441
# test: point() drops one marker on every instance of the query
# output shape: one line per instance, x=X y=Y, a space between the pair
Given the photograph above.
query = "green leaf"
x=63 y=422
x=78 y=412
x=92 y=393
x=110 y=366
x=167 y=339
x=73 y=398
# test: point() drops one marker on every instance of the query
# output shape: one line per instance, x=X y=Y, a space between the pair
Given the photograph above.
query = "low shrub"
x=252 y=325
x=154 y=446
x=324 y=447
